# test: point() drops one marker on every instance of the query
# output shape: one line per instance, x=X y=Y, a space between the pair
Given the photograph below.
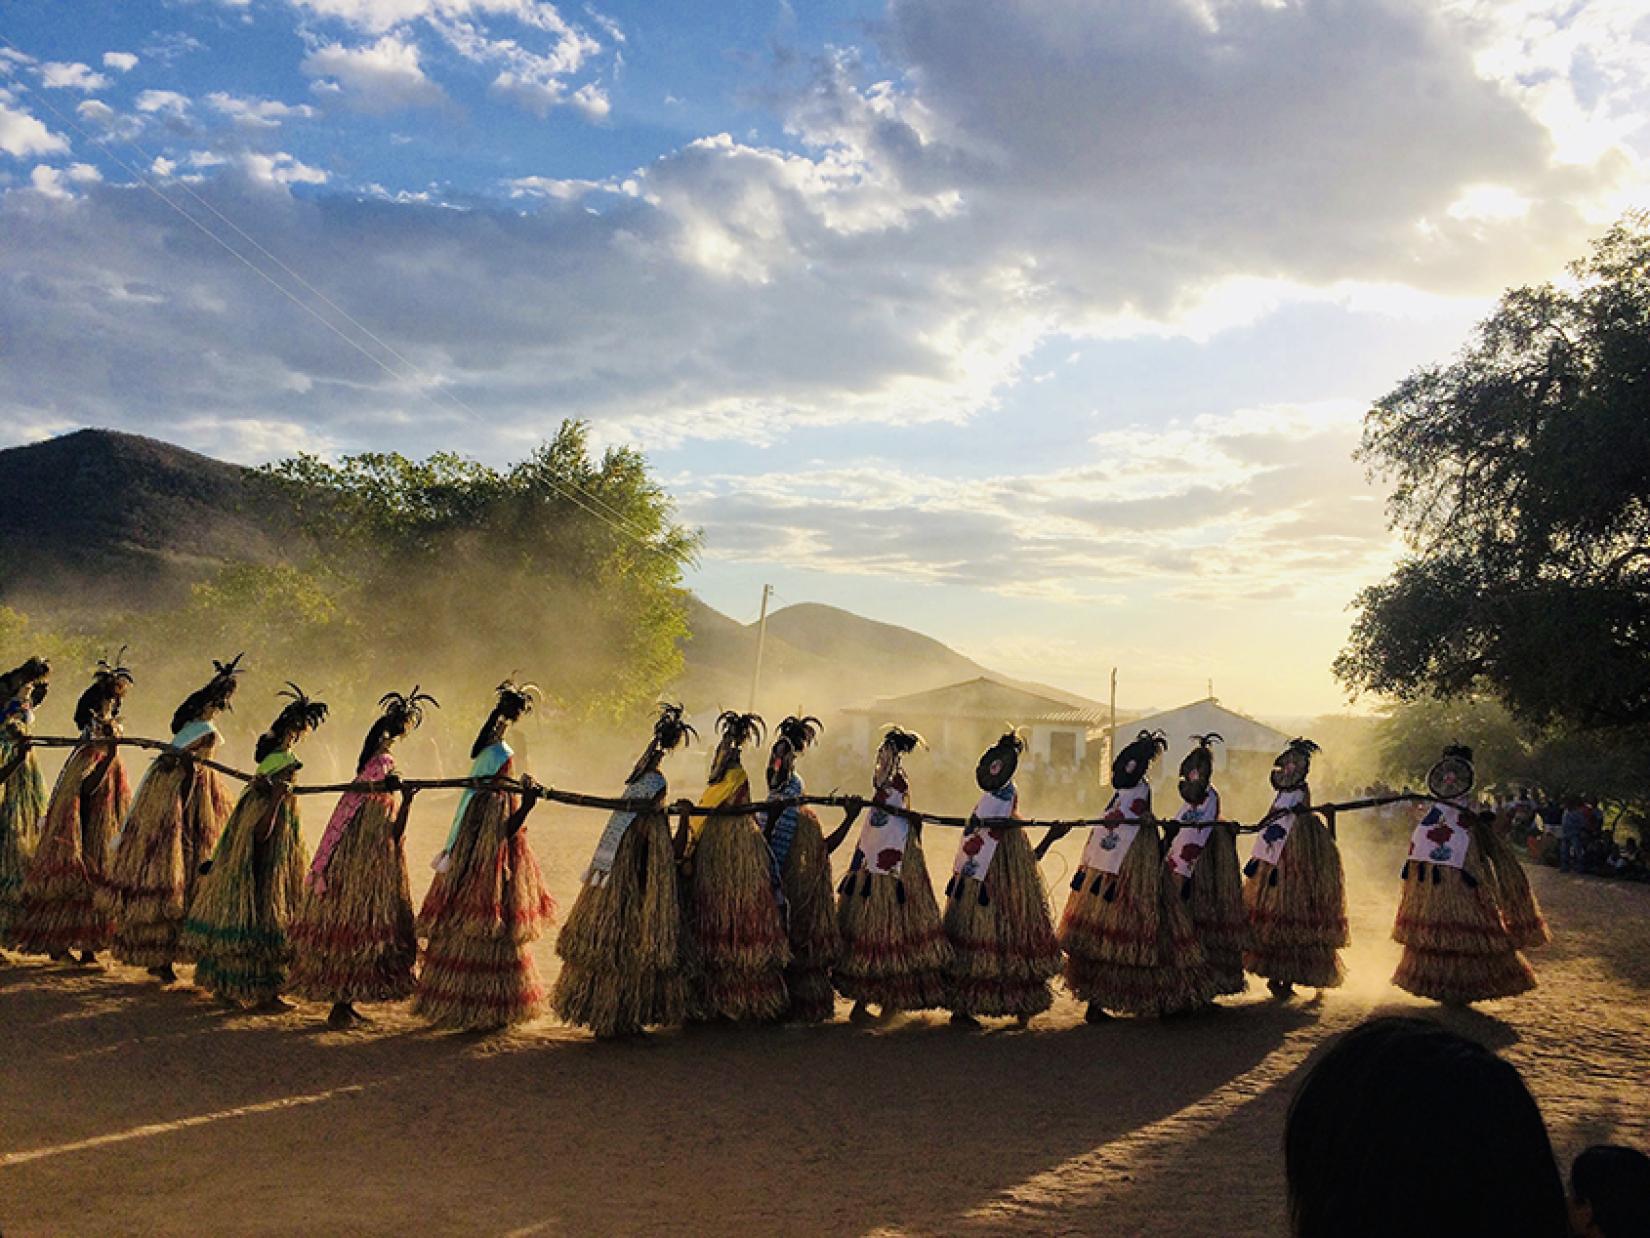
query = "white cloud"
x=280 y=168
x=378 y=16
x=255 y=113
x=168 y=103
x=534 y=80
x=123 y=62
x=381 y=77
x=22 y=135
x=57 y=75
x=58 y=182
x=96 y=111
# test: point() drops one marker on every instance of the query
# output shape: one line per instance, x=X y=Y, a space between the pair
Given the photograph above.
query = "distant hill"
x=98 y=519
x=117 y=519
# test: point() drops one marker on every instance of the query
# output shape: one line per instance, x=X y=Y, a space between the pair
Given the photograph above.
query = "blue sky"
x=1042 y=328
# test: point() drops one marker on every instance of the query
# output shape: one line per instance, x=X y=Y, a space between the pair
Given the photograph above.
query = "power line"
x=591 y=504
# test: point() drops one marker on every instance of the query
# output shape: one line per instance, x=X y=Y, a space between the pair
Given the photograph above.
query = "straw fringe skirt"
x=60 y=907
x=355 y=941
x=1003 y=949
x=621 y=948
x=1457 y=948
x=1297 y=910
x=238 y=925
x=741 y=948
x=816 y=942
x=1526 y=926
x=1128 y=937
x=480 y=917
x=894 y=952
x=171 y=827
x=22 y=802
x=1218 y=918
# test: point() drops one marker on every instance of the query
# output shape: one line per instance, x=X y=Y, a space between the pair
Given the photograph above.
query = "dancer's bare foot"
x=164 y=974
x=344 y=1016
x=1022 y=1021
x=861 y=1014
x=88 y=958
x=1280 y=989
x=960 y=1019
x=1096 y=1014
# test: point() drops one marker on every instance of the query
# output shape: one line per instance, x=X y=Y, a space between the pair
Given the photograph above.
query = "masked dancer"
x=803 y=866
x=22 y=787
x=1003 y=948
x=61 y=911
x=1457 y=914
x=621 y=948
x=239 y=925
x=353 y=934
x=894 y=953
x=170 y=829
x=488 y=903
x=1203 y=860
x=731 y=905
x=1294 y=889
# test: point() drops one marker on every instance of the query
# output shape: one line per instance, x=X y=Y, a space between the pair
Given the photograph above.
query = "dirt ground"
x=128 y=1108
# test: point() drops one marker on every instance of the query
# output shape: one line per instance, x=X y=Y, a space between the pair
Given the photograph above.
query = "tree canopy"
x=1521 y=474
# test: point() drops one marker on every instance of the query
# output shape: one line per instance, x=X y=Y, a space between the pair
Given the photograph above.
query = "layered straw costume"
x=1293 y=888
x=730 y=896
x=1454 y=921
x=1127 y=932
x=23 y=790
x=488 y=903
x=803 y=866
x=894 y=953
x=170 y=829
x=353 y=933
x=60 y=908
x=621 y=949
x=239 y=925
x=997 y=922
x=1203 y=859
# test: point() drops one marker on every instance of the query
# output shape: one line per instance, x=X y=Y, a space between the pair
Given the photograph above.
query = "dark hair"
x=401 y=713
x=1387 y=1096
x=217 y=692
x=514 y=701
x=299 y=714
x=11 y=683
x=1615 y=1183
x=99 y=692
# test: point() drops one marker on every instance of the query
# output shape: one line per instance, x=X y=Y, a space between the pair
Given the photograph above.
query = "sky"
x=1045 y=328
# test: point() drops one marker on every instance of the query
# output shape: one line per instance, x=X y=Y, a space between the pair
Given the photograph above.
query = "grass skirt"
x=23 y=796
x=1297 y=910
x=894 y=952
x=480 y=917
x=1003 y=949
x=1526 y=926
x=815 y=940
x=60 y=907
x=238 y=925
x=742 y=950
x=171 y=828
x=354 y=941
x=1218 y=917
x=621 y=948
x=22 y=803
x=1130 y=948
x=1456 y=947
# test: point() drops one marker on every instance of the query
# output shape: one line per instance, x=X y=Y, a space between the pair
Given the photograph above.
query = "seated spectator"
x=1610 y=1193
x=1404 y=1127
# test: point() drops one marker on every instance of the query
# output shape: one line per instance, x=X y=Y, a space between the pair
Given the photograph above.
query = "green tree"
x=1521 y=476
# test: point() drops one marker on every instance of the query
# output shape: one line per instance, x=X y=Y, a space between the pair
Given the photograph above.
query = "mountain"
x=117 y=519
x=98 y=519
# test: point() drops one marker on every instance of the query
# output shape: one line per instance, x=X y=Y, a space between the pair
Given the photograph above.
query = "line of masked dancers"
x=731 y=917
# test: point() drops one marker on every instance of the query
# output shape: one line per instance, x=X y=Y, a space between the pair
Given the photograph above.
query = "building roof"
x=985 y=698
x=1240 y=732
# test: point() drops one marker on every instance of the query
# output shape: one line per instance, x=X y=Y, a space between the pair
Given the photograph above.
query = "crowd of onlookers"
x=1404 y=1127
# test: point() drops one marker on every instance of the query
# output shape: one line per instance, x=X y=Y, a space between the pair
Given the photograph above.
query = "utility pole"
x=761 y=640
x=1112 y=754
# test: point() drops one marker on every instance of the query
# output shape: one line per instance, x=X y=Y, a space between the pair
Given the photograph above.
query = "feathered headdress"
x=1197 y=767
x=300 y=713
x=407 y=707
x=739 y=729
x=1293 y=764
x=794 y=736
x=111 y=671
x=1135 y=759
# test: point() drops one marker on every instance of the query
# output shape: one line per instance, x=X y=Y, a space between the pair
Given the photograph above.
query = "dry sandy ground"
x=125 y=1108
